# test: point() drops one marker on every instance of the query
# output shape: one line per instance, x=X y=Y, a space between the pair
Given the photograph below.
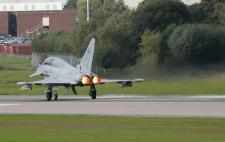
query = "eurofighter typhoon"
x=57 y=72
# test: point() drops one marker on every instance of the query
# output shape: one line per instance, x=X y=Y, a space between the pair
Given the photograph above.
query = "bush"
x=198 y=43
x=119 y=41
x=164 y=53
x=150 y=43
x=156 y=15
x=53 y=42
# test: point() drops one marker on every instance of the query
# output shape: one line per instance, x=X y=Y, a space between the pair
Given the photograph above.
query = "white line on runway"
x=9 y=105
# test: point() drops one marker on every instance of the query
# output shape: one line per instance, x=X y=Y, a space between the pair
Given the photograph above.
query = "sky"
x=132 y=3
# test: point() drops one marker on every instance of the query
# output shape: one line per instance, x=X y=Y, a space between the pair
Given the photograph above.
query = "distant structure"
x=30 y=5
x=190 y=2
x=134 y=3
x=33 y=17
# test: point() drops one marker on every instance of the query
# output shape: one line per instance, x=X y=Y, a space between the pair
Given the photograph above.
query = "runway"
x=119 y=105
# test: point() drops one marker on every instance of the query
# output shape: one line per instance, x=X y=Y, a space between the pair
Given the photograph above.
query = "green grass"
x=193 y=86
x=54 y=128
x=14 y=69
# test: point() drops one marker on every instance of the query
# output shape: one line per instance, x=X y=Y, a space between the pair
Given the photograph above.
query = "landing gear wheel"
x=92 y=92
x=49 y=96
x=93 y=95
x=55 y=97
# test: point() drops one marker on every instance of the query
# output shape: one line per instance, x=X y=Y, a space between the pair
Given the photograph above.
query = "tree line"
x=167 y=31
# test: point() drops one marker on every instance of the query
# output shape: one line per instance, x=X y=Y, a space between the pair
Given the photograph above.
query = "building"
x=31 y=23
x=32 y=17
x=19 y=49
x=50 y=21
x=30 y=5
x=4 y=23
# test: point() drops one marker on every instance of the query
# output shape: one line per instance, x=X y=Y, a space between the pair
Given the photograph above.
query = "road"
x=120 y=105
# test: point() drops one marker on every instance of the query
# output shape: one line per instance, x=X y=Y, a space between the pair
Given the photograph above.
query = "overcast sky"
x=132 y=3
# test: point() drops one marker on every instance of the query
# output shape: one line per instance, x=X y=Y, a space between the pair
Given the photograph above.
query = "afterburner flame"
x=96 y=80
x=86 y=80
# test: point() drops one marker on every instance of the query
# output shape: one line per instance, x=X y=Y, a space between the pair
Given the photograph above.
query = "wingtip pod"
x=21 y=83
x=24 y=85
x=26 y=88
x=130 y=83
x=139 y=80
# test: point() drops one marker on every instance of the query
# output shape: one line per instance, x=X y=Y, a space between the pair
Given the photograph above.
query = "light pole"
x=88 y=17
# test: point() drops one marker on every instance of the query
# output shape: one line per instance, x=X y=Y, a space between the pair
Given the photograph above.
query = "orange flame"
x=97 y=80
x=86 y=80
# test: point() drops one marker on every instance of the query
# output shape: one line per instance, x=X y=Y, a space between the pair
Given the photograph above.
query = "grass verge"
x=54 y=128
x=15 y=69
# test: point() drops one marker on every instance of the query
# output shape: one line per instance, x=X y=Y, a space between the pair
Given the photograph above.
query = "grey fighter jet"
x=57 y=72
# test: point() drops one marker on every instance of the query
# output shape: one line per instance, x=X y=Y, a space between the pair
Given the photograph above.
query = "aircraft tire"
x=55 y=97
x=92 y=92
x=49 y=96
x=93 y=95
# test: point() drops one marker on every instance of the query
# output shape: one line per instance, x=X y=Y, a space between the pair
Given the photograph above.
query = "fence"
x=38 y=58
x=21 y=49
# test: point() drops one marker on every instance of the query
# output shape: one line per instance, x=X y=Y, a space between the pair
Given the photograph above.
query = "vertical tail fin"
x=86 y=61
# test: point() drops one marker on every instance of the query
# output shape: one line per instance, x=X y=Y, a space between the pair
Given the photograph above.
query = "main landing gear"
x=93 y=91
x=52 y=92
x=49 y=94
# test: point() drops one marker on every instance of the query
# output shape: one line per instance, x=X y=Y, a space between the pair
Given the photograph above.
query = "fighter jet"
x=57 y=72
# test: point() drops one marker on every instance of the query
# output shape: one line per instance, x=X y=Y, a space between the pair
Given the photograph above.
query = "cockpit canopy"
x=55 y=62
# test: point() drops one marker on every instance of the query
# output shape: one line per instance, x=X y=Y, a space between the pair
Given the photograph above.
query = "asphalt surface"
x=120 y=105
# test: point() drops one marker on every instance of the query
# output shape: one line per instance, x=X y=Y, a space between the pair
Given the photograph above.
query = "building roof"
x=28 y=1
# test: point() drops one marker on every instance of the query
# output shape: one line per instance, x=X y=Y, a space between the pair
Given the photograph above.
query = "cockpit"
x=55 y=62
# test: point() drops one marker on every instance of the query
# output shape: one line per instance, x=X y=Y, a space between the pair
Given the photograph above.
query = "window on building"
x=25 y=7
x=47 y=7
x=55 y=7
x=33 y=7
x=11 y=7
